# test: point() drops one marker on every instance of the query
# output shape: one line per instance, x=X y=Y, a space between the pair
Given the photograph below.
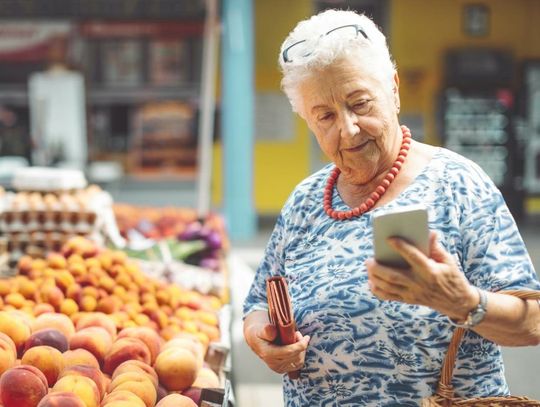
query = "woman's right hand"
x=260 y=334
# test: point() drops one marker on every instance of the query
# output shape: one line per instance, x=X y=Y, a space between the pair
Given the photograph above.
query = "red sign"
x=130 y=29
x=30 y=41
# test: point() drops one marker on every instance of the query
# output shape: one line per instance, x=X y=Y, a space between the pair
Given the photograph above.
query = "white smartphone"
x=408 y=222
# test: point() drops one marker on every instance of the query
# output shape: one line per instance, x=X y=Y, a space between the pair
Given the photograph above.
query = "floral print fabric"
x=368 y=352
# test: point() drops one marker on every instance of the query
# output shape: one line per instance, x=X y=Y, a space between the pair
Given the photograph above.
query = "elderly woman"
x=370 y=334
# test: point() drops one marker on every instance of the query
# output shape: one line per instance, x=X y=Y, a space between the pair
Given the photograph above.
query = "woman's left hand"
x=434 y=280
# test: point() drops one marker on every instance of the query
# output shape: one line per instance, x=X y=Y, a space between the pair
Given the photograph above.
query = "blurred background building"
x=469 y=80
x=114 y=87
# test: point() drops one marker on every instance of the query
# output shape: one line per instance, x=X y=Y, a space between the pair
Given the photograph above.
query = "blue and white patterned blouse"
x=368 y=352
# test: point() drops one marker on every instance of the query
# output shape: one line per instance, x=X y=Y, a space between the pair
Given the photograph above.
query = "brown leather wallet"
x=281 y=314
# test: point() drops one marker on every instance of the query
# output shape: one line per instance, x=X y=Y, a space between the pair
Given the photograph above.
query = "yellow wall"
x=278 y=166
x=420 y=33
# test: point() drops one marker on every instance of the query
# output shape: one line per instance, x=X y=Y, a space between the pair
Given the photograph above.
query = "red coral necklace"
x=375 y=195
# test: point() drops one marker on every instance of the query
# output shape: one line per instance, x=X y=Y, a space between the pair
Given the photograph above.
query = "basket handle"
x=445 y=388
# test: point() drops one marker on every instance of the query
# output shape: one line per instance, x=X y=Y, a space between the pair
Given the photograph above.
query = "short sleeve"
x=494 y=254
x=271 y=265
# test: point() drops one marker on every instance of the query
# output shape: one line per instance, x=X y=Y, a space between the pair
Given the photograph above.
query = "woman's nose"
x=349 y=125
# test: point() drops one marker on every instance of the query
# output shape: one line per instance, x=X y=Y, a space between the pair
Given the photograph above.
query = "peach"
x=125 y=349
x=15 y=299
x=137 y=366
x=76 y=269
x=168 y=310
x=47 y=337
x=107 y=283
x=210 y=330
x=82 y=386
x=38 y=264
x=105 y=260
x=14 y=327
x=194 y=346
x=88 y=371
x=176 y=400
x=190 y=326
x=69 y=307
x=102 y=294
x=22 y=386
x=79 y=357
x=9 y=342
x=64 y=279
x=27 y=318
x=43 y=308
x=148 y=336
x=91 y=291
x=76 y=316
x=141 y=319
x=126 y=397
x=52 y=295
x=88 y=303
x=56 y=261
x=206 y=317
x=74 y=292
x=8 y=353
x=92 y=262
x=94 y=339
x=169 y=332
x=137 y=383
x=109 y=305
x=97 y=319
x=88 y=280
x=120 y=318
x=159 y=317
x=47 y=359
x=5 y=287
x=206 y=379
x=55 y=320
x=61 y=399
x=118 y=257
x=176 y=368
x=25 y=264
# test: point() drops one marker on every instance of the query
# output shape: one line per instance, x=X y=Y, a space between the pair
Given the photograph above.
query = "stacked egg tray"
x=35 y=223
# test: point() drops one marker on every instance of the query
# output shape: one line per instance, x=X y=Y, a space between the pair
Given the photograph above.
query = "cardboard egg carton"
x=35 y=223
x=38 y=244
x=66 y=212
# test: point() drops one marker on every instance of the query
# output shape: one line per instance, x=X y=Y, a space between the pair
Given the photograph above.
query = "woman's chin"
x=357 y=175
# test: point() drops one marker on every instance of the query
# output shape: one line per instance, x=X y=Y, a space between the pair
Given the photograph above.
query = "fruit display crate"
x=87 y=326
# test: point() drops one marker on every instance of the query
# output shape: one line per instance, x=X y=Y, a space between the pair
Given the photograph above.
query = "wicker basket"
x=444 y=396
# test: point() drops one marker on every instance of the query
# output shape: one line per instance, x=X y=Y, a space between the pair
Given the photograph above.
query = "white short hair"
x=329 y=48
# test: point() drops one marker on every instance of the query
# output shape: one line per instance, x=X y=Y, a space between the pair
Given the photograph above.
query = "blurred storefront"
x=141 y=63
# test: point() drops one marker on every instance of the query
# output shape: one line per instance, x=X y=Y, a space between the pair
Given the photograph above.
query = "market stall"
x=103 y=303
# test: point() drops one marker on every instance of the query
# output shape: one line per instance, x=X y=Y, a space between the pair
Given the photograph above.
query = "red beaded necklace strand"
x=375 y=195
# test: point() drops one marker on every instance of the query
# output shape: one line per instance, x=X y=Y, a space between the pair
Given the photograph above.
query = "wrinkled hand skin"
x=434 y=280
x=280 y=358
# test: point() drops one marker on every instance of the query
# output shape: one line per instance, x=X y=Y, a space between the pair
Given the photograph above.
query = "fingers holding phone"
x=411 y=265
